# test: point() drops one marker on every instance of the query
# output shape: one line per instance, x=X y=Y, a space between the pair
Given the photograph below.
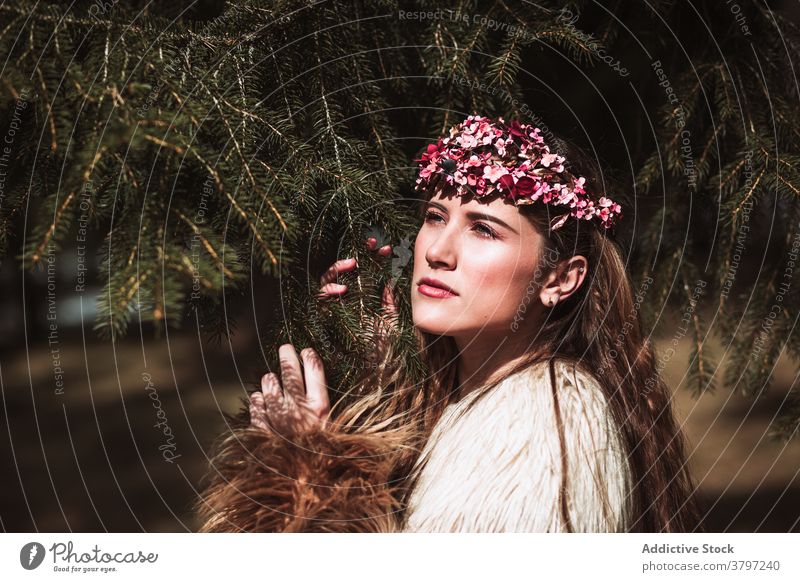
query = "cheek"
x=498 y=287
x=505 y=276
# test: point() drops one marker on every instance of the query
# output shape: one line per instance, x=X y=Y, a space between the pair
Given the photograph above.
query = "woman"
x=542 y=410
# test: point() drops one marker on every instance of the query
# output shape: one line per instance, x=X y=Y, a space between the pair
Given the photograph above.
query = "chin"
x=437 y=320
x=433 y=320
x=434 y=329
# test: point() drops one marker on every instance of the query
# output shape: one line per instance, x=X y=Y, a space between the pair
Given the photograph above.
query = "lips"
x=435 y=288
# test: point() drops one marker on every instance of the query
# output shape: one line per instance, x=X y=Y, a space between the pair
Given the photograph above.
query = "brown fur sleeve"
x=324 y=481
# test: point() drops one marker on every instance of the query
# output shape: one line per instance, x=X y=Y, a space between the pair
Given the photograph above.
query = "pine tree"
x=213 y=142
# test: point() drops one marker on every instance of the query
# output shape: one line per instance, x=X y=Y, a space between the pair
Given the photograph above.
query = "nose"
x=443 y=251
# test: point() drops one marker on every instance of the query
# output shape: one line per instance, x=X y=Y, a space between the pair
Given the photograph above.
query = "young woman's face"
x=486 y=253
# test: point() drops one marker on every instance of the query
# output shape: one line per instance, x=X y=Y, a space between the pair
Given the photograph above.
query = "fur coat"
x=496 y=466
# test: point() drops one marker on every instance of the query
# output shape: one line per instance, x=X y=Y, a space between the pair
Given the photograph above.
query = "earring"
x=580 y=270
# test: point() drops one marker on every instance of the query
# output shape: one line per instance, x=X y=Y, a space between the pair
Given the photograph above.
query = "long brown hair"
x=597 y=328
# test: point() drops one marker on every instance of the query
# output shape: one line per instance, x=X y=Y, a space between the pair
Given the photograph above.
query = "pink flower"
x=548 y=159
x=494 y=172
x=473 y=161
x=566 y=196
x=427 y=171
x=467 y=141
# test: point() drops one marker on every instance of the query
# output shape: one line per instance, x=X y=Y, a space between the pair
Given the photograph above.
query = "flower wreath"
x=481 y=156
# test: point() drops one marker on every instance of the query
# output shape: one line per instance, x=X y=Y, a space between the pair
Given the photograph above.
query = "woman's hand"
x=329 y=288
x=296 y=403
x=328 y=285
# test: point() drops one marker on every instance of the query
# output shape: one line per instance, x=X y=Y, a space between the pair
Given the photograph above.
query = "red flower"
x=515 y=129
x=431 y=152
x=506 y=183
x=525 y=186
x=456 y=153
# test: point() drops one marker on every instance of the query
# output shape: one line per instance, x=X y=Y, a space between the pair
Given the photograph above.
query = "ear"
x=564 y=280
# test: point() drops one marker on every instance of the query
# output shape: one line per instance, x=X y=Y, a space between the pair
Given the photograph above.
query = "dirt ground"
x=124 y=447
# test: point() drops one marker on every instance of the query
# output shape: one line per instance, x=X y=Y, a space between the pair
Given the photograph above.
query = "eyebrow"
x=477 y=216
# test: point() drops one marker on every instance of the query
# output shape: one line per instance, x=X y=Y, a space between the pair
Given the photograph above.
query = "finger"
x=258 y=411
x=385 y=251
x=270 y=387
x=372 y=242
x=291 y=373
x=341 y=266
x=316 y=386
x=332 y=289
x=257 y=400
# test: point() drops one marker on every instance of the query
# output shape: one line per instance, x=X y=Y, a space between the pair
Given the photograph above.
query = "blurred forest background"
x=175 y=176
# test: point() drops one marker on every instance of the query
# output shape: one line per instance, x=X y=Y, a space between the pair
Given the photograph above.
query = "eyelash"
x=491 y=234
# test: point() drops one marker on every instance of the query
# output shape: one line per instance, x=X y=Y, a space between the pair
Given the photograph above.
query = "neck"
x=486 y=355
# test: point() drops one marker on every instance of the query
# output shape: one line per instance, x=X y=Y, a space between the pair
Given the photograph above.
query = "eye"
x=432 y=216
x=483 y=230
x=487 y=232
